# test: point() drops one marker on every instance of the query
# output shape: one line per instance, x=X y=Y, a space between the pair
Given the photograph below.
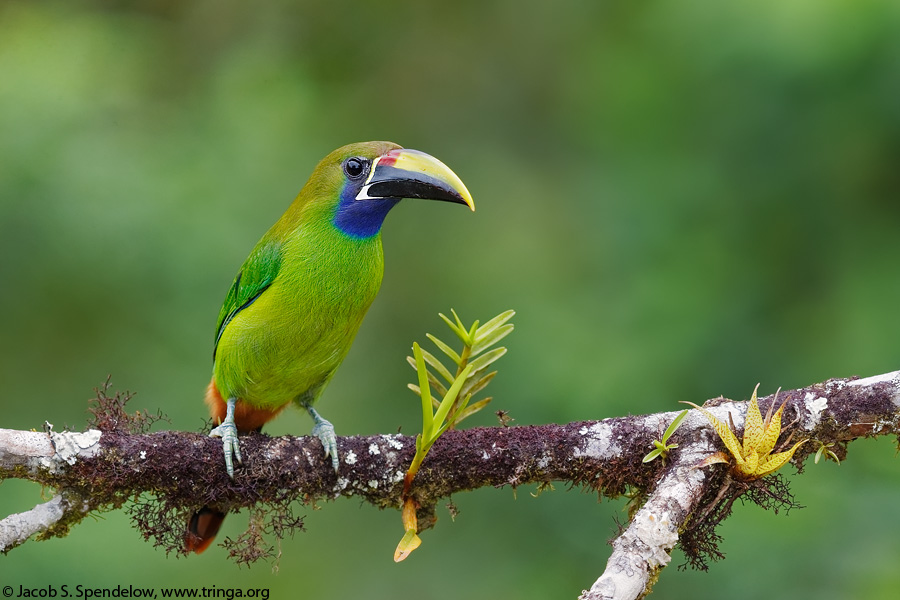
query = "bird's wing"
x=256 y=275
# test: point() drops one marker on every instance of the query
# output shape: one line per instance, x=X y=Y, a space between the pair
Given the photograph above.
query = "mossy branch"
x=161 y=478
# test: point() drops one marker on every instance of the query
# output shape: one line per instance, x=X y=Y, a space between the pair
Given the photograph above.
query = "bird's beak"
x=405 y=173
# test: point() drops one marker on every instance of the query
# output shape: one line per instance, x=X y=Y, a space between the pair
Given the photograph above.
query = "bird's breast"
x=289 y=342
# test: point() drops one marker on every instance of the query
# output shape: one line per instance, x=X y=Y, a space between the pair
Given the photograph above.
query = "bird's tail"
x=202 y=528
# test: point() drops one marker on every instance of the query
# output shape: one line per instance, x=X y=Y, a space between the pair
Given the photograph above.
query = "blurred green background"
x=680 y=199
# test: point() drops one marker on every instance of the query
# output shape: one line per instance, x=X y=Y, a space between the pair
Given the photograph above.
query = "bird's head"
x=372 y=177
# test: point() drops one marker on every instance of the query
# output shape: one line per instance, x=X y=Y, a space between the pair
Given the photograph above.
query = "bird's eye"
x=355 y=167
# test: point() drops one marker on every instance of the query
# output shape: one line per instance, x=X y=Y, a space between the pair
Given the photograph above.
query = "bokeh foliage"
x=680 y=199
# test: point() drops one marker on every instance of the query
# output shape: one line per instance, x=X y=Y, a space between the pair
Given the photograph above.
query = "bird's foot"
x=228 y=432
x=324 y=430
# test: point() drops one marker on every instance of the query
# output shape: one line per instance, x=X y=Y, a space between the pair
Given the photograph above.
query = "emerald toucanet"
x=299 y=298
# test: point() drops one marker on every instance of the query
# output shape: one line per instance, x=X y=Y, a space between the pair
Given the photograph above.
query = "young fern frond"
x=448 y=406
x=476 y=352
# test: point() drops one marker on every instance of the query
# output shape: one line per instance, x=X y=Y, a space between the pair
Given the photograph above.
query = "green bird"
x=299 y=298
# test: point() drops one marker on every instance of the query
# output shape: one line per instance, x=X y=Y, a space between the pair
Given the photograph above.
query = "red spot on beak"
x=390 y=159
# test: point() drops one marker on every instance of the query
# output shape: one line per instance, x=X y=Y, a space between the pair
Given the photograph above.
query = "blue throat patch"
x=361 y=219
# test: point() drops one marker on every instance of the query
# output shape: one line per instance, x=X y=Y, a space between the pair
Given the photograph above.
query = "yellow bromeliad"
x=752 y=459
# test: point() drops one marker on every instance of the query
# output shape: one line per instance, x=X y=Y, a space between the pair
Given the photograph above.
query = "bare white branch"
x=16 y=529
x=643 y=548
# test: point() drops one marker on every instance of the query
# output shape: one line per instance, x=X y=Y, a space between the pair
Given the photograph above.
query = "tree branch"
x=175 y=473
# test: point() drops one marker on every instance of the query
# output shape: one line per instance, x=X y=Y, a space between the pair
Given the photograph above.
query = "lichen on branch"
x=173 y=473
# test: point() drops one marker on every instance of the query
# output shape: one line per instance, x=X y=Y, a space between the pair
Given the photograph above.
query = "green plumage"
x=298 y=300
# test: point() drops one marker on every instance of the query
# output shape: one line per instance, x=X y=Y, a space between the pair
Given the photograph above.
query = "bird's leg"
x=228 y=432
x=324 y=430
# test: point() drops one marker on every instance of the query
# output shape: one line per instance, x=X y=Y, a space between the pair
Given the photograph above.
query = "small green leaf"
x=471 y=336
x=425 y=392
x=439 y=387
x=454 y=417
x=472 y=409
x=459 y=330
x=653 y=454
x=436 y=364
x=435 y=385
x=494 y=324
x=444 y=348
x=450 y=396
x=491 y=338
x=674 y=425
x=476 y=384
x=487 y=358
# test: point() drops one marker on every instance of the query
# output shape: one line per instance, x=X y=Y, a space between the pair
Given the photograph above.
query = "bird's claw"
x=228 y=432
x=324 y=430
